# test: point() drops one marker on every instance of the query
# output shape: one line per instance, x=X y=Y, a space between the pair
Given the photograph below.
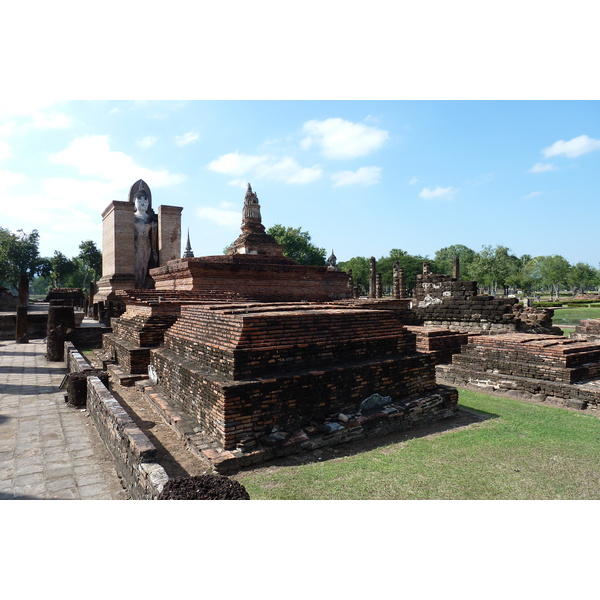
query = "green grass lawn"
x=522 y=451
x=572 y=316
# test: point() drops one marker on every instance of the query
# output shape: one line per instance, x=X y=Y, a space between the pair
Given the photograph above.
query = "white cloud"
x=267 y=167
x=92 y=156
x=413 y=181
x=223 y=217
x=186 y=138
x=9 y=179
x=4 y=150
x=289 y=171
x=438 y=193
x=542 y=168
x=24 y=107
x=241 y=183
x=49 y=121
x=532 y=195
x=148 y=141
x=362 y=176
x=84 y=194
x=573 y=148
x=338 y=138
x=235 y=164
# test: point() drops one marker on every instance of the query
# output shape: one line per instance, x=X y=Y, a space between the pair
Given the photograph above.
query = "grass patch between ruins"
x=521 y=451
x=572 y=316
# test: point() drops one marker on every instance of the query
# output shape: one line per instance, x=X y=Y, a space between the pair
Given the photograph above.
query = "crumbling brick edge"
x=440 y=403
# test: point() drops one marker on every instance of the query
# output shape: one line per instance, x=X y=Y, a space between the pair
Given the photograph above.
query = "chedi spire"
x=188 y=253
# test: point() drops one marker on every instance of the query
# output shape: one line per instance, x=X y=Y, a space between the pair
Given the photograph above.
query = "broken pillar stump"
x=21 y=335
x=61 y=327
x=77 y=386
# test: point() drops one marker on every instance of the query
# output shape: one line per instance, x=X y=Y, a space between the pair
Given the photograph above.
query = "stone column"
x=378 y=286
x=401 y=282
x=21 y=324
x=169 y=234
x=90 y=312
x=372 y=278
x=456 y=268
x=426 y=268
x=396 y=281
x=350 y=282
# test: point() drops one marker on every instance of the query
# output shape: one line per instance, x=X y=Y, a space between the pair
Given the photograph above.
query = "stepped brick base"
x=241 y=370
x=537 y=366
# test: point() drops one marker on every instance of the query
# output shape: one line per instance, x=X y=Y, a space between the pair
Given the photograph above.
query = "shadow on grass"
x=465 y=417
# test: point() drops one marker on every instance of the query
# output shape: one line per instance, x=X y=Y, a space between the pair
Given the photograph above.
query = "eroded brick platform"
x=538 y=366
x=242 y=370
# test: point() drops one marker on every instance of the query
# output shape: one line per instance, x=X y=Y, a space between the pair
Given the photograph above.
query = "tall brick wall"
x=169 y=233
x=118 y=239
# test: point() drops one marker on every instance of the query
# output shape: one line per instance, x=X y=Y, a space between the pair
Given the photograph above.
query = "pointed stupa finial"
x=188 y=247
x=332 y=260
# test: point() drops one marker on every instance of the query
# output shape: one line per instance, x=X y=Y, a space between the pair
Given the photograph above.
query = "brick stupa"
x=254 y=268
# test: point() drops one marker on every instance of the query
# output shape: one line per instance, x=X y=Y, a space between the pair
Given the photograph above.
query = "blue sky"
x=362 y=177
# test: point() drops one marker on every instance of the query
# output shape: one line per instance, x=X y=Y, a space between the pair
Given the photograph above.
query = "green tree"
x=582 y=277
x=495 y=267
x=62 y=269
x=359 y=265
x=91 y=257
x=553 y=272
x=297 y=245
x=19 y=255
x=89 y=264
x=444 y=260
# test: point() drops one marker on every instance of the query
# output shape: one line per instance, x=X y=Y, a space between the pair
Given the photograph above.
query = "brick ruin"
x=70 y=296
x=532 y=366
x=266 y=357
x=447 y=302
x=587 y=330
x=246 y=371
x=253 y=269
x=506 y=348
x=261 y=357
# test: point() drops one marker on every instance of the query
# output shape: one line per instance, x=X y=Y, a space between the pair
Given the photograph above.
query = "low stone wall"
x=37 y=323
x=133 y=453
